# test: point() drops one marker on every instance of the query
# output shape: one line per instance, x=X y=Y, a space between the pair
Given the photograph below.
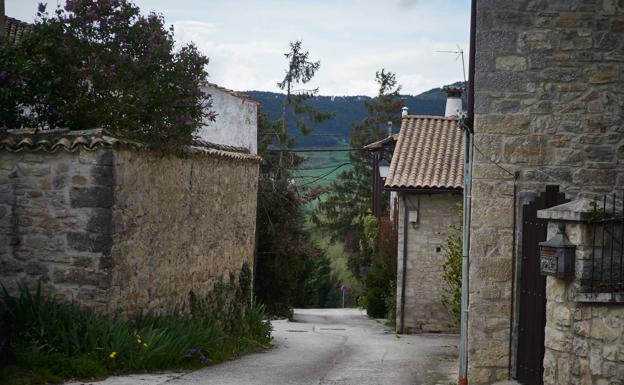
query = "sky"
x=245 y=40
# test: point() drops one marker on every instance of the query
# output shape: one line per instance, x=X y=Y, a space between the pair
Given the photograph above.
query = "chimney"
x=453 y=100
x=403 y=111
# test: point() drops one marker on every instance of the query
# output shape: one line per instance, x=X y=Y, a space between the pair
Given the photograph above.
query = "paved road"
x=329 y=347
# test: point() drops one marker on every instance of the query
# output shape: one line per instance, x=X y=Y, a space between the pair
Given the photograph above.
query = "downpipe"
x=463 y=343
x=404 y=265
x=468 y=128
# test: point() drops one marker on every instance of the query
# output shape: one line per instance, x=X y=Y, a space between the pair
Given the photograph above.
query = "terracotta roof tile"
x=64 y=139
x=388 y=140
x=428 y=154
x=14 y=29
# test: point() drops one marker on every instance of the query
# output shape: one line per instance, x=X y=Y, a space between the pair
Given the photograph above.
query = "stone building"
x=427 y=172
x=548 y=111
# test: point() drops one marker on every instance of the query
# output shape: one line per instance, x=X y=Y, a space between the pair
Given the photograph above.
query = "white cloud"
x=245 y=40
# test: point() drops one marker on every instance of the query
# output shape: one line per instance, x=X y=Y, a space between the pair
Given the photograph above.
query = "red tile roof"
x=14 y=29
x=428 y=154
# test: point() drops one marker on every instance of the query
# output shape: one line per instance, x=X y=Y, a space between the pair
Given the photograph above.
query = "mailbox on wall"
x=557 y=255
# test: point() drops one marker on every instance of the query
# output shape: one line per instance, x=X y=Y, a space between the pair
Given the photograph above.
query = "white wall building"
x=236 y=123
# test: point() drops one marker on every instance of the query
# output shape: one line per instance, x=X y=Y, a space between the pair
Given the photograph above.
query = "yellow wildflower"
x=145 y=344
x=113 y=355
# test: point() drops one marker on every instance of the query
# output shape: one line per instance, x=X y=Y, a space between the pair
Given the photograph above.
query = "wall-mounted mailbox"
x=557 y=255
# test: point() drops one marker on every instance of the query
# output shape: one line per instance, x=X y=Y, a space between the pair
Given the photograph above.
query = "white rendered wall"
x=236 y=122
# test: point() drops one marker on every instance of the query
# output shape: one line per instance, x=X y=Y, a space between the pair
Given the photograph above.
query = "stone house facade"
x=548 y=111
x=118 y=228
x=427 y=172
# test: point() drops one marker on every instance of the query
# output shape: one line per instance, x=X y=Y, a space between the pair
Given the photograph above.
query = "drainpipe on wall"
x=468 y=126
x=404 y=271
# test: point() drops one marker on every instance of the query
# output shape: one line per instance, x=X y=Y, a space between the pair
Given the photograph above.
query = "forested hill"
x=348 y=110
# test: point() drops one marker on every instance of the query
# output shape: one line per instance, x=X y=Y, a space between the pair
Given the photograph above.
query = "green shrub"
x=452 y=267
x=59 y=340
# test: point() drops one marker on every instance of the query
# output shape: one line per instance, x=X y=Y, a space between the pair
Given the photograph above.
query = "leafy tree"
x=102 y=64
x=321 y=288
x=283 y=245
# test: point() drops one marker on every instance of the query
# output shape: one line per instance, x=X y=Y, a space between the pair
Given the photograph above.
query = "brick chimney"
x=453 y=100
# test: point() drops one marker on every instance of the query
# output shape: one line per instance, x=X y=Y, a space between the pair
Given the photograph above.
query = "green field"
x=321 y=168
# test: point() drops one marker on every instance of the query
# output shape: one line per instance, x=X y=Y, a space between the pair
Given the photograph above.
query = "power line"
x=323 y=176
x=316 y=150
x=319 y=168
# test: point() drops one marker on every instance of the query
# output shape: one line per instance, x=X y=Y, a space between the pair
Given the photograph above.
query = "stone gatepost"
x=584 y=336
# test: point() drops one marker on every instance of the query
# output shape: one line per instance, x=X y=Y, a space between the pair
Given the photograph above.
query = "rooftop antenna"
x=459 y=53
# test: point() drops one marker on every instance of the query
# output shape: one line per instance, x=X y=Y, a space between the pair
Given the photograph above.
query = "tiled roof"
x=14 y=29
x=236 y=94
x=391 y=139
x=428 y=154
x=64 y=139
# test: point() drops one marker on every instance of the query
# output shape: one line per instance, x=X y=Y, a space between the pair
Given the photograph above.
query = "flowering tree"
x=102 y=64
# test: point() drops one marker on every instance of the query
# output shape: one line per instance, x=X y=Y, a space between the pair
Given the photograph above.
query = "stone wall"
x=425 y=256
x=125 y=230
x=584 y=336
x=548 y=105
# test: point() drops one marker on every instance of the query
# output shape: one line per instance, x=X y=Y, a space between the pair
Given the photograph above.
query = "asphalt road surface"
x=328 y=347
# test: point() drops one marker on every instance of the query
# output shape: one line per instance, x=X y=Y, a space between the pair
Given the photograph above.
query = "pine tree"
x=283 y=247
x=350 y=196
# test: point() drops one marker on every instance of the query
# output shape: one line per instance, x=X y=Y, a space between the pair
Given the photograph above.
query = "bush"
x=102 y=64
x=61 y=340
x=452 y=268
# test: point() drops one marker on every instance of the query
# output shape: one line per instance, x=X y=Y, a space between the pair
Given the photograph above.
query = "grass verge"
x=54 y=341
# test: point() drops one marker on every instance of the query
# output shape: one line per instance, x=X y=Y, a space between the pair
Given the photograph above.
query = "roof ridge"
x=438 y=117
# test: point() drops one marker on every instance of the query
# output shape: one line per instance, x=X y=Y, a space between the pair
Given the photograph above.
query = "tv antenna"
x=459 y=53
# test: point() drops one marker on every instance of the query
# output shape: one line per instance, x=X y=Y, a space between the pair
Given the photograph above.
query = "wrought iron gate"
x=532 y=317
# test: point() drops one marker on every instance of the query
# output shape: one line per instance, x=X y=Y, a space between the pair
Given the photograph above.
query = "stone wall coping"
x=32 y=139
x=599 y=297
x=579 y=210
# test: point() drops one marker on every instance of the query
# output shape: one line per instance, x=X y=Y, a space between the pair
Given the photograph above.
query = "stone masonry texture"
x=549 y=107
x=584 y=342
x=425 y=256
x=122 y=230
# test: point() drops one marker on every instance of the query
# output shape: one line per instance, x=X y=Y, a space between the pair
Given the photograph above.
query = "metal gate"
x=532 y=317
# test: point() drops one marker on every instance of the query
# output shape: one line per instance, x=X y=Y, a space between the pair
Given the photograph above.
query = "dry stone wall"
x=124 y=230
x=548 y=106
x=425 y=256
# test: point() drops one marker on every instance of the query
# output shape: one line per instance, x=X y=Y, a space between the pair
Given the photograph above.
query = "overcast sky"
x=245 y=40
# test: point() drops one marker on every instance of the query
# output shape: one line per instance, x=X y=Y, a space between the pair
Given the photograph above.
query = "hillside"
x=348 y=110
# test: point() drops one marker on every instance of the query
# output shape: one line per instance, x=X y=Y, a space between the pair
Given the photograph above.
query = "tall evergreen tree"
x=283 y=247
x=350 y=196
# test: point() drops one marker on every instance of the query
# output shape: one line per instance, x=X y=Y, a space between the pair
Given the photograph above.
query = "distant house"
x=427 y=173
x=382 y=150
x=236 y=122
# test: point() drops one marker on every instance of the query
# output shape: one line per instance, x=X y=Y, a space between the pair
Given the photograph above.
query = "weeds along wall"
x=119 y=229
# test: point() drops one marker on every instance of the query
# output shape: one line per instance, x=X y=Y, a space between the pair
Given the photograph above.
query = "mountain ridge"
x=348 y=110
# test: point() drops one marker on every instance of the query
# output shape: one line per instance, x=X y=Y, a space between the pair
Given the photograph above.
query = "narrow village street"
x=328 y=346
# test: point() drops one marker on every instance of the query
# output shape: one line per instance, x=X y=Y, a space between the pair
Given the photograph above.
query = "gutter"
x=404 y=271
x=468 y=128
